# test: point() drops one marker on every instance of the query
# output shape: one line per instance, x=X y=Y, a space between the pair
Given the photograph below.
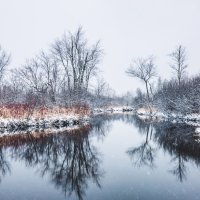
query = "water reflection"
x=4 y=164
x=101 y=125
x=69 y=160
x=179 y=141
x=145 y=153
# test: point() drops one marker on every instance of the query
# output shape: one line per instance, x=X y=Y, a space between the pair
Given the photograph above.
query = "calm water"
x=118 y=157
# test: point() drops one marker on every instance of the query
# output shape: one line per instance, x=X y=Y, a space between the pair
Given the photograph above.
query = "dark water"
x=118 y=157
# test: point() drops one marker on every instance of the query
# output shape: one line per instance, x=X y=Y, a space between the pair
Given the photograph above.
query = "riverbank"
x=55 y=121
x=191 y=119
x=19 y=118
x=22 y=136
x=117 y=109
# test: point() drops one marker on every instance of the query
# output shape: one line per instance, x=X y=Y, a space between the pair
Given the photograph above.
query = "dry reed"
x=23 y=111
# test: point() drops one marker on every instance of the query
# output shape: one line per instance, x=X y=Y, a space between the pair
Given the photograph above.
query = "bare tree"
x=30 y=73
x=144 y=69
x=179 y=57
x=51 y=74
x=5 y=60
x=79 y=60
x=102 y=93
x=101 y=87
x=42 y=75
x=69 y=66
x=128 y=97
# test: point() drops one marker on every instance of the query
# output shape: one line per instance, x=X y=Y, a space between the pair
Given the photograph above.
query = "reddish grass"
x=21 y=111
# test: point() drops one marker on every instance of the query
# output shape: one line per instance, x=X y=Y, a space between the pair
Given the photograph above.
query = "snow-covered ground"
x=192 y=119
x=197 y=130
x=60 y=121
x=33 y=130
x=55 y=122
x=113 y=109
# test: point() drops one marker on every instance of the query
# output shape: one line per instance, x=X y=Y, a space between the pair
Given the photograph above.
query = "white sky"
x=127 y=29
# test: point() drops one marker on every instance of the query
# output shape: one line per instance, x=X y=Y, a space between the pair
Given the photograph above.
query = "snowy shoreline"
x=56 y=122
x=191 y=119
x=61 y=122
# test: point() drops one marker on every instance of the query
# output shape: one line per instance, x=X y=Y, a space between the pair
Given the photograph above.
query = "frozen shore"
x=191 y=119
x=113 y=109
x=57 y=122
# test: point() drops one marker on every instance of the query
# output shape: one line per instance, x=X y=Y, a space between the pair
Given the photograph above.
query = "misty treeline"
x=180 y=94
x=68 y=74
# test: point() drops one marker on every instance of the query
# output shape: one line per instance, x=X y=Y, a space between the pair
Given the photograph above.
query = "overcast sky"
x=127 y=29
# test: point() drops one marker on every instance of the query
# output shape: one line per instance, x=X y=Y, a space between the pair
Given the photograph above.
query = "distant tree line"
x=69 y=75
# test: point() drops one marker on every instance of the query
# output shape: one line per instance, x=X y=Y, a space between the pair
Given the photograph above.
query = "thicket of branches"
x=169 y=96
x=179 y=95
x=181 y=99
x=61 y=76
x=65 y=76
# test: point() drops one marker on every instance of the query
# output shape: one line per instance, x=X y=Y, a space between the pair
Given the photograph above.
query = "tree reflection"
x=144 y=154
x=101 y=124
x=4 y=165
x=175 y=138
x=71 y=162
x=67 y=158
x=179 y=141
x=179 y=170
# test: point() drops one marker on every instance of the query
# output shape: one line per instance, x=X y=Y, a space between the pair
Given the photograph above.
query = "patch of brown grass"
x=22 y=111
